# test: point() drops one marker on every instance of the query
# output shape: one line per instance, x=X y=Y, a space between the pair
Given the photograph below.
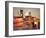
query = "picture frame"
x=9 y=18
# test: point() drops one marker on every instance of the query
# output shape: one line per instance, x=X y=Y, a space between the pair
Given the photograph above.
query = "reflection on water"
x=27 y=23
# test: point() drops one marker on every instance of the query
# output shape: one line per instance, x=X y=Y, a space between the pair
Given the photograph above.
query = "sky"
x=35 y=12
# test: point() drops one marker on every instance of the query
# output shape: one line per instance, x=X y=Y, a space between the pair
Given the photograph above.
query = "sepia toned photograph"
x=26 y=18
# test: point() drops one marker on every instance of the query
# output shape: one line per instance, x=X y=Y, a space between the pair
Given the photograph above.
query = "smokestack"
x=21 y=13
x=29 y=13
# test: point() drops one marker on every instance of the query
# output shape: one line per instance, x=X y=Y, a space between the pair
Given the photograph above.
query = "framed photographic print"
x=24 y=18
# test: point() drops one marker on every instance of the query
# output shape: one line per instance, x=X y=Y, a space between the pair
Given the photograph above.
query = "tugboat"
x=18 y=21
x=28 y=21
